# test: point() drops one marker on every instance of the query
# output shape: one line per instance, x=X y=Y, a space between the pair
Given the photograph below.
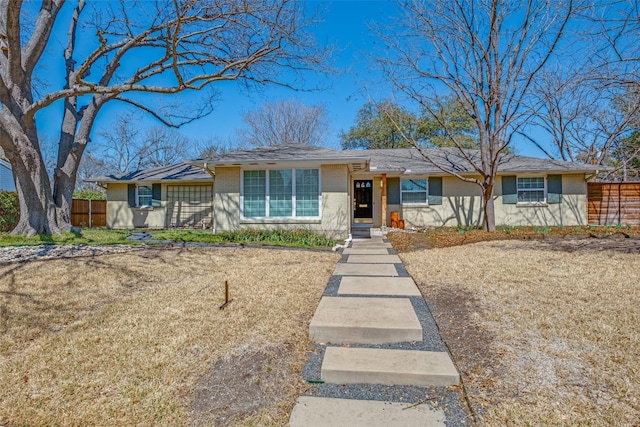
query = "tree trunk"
x=39 y=214
x=489 y=216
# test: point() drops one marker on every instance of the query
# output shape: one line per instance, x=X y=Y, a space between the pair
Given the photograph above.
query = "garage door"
x=189 y=206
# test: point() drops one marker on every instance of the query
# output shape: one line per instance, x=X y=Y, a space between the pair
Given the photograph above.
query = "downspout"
x=205 y=166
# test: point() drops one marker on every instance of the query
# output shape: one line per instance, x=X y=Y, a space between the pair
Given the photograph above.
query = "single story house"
x=338 y=192
x=6 y=177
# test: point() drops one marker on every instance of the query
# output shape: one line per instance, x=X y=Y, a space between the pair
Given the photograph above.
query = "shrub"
x=89 y=195
x=9 y=210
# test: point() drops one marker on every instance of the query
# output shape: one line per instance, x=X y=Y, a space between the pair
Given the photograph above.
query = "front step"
x=327 y=412
x=388 y=367
x=364 y=320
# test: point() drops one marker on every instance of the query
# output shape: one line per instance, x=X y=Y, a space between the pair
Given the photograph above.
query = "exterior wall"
x=120 y=215
x=462 y=205
x=6 y=177
x=336 y=213
x=572 y=210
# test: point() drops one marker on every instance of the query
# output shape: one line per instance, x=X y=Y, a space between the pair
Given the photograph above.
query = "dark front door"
x=363 y=198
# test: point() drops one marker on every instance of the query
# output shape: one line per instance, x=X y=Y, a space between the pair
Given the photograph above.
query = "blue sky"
x=346 y=23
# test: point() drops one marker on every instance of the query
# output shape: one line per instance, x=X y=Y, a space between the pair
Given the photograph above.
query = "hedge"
x=9 y=210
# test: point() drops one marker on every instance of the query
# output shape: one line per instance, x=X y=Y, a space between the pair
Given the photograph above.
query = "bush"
x=9 y=210
x=89 y=195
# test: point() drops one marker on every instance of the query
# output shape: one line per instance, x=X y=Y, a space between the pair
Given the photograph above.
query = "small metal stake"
x=226 y=295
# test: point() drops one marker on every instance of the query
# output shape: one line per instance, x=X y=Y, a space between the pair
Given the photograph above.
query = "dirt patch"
x=240 y=385
x=457 y=313
x=623 y=239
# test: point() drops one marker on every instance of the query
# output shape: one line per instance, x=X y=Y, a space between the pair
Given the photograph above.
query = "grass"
x=129 y=339
x=291 y=238
x=541 y=336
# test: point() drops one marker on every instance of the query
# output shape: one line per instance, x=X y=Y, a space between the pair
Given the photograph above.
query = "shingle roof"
x=398 y=160
x=180 y=172
x=411 y=161
x=284 y=153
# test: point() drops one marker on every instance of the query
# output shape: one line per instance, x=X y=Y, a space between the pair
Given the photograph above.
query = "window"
x=308 y=189
x=281 y=193
x=144 y=196
x=531 y=190
x=255 y=194
x=413 y=191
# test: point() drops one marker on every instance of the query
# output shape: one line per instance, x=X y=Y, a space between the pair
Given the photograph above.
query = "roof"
x=284 y=153
x=411 y=161
x=5 y=164
x=396 y=161
x=180 y=172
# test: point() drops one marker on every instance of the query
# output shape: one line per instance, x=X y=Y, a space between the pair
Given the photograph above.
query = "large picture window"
x=531 y=190
x=413 y=191
x=281 y=193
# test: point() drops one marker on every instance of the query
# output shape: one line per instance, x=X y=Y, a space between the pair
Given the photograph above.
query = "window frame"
x=426 y=191
x=544 y=201
x=150 y=195
x=267 y=195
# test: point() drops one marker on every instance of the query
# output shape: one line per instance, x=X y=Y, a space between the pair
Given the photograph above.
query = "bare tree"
x=487 y=55
x=284 y=122
x=165 y=146
x=589 y=106
x=128 y=50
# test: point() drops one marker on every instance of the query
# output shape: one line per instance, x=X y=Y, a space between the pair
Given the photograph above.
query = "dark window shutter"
x=435 y=191
x=393 y=191
x=156 y=192
x=131 y=195
x=509 y=190
x=554 y=189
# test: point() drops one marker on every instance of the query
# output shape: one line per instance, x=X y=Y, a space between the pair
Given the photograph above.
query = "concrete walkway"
x=372 y=307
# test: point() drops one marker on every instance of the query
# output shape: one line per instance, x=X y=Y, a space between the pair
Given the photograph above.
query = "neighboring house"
x=6 y=177
x=336 y=192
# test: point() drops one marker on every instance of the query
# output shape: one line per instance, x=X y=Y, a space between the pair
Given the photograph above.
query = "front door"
x=363 y=198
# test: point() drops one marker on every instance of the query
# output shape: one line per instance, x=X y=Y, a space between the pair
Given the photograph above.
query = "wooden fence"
x=89 y=213
x=613 y=203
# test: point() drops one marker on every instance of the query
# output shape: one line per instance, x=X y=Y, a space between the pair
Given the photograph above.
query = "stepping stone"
x=365 y=251
x=364 y=320
x=374 y=259
x=351 y=269
x=355 y=285
x=370 y=244
x=323 y=412
x=388 y=367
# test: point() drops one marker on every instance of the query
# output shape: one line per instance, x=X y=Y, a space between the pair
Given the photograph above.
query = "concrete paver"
x=353 y=269
x=374 y=259
x=389 y=367
x=365 y=320
x=366 y=251
x=396 y=286
x=327 y=412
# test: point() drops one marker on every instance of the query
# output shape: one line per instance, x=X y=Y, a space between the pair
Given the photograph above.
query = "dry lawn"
x=542 y=336
x=138 y=339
